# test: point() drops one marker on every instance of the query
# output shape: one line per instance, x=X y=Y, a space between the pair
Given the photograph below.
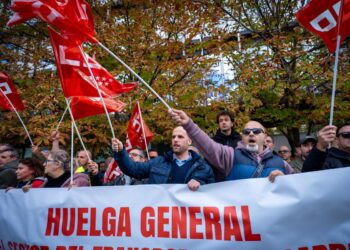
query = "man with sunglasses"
x=285 y=153
x=250 y=159
x=323 y=157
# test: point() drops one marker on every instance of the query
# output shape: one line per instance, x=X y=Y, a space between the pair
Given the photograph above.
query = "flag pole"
x=63 y=115
x=72 y=154
x=76 y=129
x=134 y=73
x=143 y=129
x=335 y=71
x=98 y=90
x=19 y=117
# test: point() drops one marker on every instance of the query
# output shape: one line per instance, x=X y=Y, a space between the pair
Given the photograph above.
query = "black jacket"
x=158 y=170
x=228 y=140
x=333 y=158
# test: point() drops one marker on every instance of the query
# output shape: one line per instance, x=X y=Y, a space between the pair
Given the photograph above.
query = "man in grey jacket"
x=8 y=165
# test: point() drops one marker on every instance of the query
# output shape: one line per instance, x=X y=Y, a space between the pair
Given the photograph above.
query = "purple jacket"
x=220 y=156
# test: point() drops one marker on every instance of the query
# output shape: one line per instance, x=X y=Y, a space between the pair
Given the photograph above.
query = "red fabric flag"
x=321 y=18
x=83 y=106
x=136 y=127
x=8 y=89
x=74 y=73
x=72 y=17
x=112 y=172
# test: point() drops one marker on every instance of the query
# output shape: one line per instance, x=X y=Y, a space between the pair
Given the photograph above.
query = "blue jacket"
x=158 y=170
x=245 y=165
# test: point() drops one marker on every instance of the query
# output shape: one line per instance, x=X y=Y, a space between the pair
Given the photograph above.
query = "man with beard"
x=322 y=157
x=180 y=165
x=251 y=159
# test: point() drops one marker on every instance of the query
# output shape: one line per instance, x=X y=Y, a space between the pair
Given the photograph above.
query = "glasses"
x=345 y=135
x=135 y=155
x=283 y=151
x=255 y=131
x=47 y=161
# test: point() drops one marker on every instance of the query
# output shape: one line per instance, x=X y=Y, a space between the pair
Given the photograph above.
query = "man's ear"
x=189 y=142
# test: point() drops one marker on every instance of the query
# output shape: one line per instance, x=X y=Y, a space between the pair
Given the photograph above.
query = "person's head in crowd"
x=28 y=169
x=102 y=167
x=306 y=145
x=253 y=136
x=137 y=155
x=153 y=153
x=343 y=137
x=57 y=162
x=285 y=153
x=8 y=154
x=225 y=119
x=180 y=142
x=83 y=157
x=269 y=142
x=297 y=152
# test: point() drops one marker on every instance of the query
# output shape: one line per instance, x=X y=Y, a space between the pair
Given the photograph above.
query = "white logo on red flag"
x=74 y=74
x=321 y=18
x=73 y=18
x=8 y=89
x=137 y=131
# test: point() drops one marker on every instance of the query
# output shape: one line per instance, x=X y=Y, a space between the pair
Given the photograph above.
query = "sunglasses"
x=345 y=135
x=255 y=131
x=283 y=151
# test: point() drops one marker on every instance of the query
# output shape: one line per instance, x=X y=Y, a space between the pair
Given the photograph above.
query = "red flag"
x=72 y=17
x=74 y=73
x=136 y=129
x=8 y=89
x=83 y=106
x=321 y=18
x=112 y=172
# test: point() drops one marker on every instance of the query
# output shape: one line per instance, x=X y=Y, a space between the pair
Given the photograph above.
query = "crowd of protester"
x=195 y=159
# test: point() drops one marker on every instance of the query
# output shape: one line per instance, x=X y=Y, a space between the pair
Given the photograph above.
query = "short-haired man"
x=251 y=158
x=226 y=135
x=89 y=167
x=180 y=165
x=8 y=166
x=323 y=158
x=285 y=153
x=306 y=145
x=137 y=155
x=269 y=142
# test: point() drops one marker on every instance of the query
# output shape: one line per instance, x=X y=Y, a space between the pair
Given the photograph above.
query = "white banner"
x=297 y=212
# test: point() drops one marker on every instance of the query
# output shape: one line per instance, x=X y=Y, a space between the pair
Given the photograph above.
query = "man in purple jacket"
x=251 y=159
